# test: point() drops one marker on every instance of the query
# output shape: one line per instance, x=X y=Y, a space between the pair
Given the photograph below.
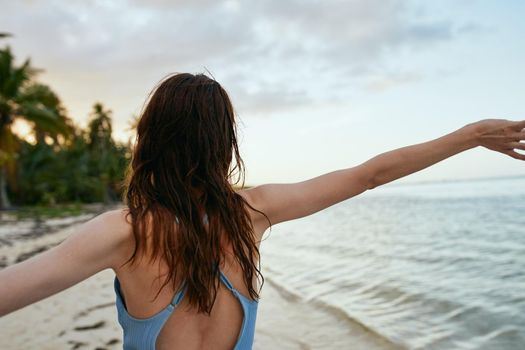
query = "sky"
x=317 y=85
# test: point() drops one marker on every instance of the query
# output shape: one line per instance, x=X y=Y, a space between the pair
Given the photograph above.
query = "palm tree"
x=21 y=97
x=103 y=150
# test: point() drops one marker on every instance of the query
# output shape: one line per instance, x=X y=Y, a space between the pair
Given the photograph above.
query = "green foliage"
x=21 y=97
x=87 y=169
x=65 y=163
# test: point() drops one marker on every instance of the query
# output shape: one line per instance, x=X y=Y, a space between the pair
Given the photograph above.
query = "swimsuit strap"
x=179 y=295
x=227 y=282
x=224 y=279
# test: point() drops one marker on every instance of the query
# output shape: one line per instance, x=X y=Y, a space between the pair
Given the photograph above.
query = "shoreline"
x=84 y=316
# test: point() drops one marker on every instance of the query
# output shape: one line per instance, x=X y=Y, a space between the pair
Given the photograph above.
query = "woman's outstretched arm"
x=96 y=245
x=283 y=202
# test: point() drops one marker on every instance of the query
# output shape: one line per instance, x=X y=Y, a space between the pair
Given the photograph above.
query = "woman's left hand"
x=501 y=135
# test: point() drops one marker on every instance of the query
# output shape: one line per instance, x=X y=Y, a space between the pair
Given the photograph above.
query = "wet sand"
x=84 y=316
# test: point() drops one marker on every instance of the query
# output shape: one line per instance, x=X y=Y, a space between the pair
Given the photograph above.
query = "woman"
x=185 y=250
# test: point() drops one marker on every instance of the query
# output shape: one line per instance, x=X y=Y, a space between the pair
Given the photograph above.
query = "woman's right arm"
x=94 y=246
x=283 y=202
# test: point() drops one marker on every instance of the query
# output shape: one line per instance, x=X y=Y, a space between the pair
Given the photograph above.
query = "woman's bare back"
x=185 y=328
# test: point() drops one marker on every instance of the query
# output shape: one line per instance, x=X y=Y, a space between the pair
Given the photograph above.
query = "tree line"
x=60 y=162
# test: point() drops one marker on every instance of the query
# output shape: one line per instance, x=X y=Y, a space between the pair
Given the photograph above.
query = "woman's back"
x=177 y=326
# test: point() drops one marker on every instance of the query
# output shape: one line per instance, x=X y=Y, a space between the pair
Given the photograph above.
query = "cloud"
x=388 y=81
x=270 y=54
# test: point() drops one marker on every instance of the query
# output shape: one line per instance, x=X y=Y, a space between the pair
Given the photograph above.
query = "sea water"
x=426 y=266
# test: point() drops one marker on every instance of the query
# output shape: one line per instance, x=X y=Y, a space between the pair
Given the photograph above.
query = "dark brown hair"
x=181 y=166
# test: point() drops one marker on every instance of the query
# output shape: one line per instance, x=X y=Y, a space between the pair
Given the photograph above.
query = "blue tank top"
x=141 y=334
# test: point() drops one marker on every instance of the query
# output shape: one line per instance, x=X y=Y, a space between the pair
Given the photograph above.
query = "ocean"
x=425 y=266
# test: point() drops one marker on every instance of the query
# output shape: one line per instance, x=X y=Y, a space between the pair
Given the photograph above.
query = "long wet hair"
x=181 y=166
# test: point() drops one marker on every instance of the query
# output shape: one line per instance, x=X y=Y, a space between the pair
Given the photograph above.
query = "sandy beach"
x=84 y=316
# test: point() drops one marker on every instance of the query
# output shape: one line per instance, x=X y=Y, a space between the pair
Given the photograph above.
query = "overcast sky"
x=317 y=85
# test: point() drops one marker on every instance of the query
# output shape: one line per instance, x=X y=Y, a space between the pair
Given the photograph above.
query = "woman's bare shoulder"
x=260 y=221
x=118 y=224
x=119 y=220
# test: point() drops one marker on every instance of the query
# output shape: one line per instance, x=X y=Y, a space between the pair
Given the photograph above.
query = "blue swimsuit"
x=141 y=334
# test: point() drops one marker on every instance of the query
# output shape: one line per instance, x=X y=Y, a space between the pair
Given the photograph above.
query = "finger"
x=515 y=155
x=517 y=145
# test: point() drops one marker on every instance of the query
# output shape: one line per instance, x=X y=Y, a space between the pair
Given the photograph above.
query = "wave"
x=446 y=321
x=341 y=314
